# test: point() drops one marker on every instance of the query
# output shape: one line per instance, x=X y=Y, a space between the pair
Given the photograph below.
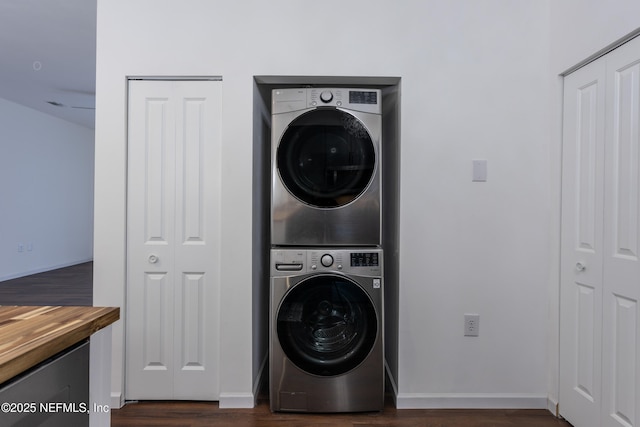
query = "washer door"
x=327 y=325
x=326 y=158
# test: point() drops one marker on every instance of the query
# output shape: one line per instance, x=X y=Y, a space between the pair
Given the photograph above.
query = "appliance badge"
x=376 y=283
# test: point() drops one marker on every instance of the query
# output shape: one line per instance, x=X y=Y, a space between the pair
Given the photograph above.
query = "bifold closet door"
x=173 y=228
x=582 y=246
x=621 y=327
x=600 y=267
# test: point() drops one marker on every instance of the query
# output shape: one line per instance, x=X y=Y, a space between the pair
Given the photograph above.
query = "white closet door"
x=581 y=251
x=600 y=269
x=173 y=230
x=621 y=330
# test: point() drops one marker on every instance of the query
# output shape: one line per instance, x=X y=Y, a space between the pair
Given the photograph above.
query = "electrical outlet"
x=471 y=325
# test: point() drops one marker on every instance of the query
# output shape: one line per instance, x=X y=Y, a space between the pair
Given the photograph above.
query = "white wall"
x=476 y=247
x=580 y=28
x=46 y=191
x=475 y=85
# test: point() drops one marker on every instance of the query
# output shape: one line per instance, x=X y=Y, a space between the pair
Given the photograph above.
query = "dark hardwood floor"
x=73 y=286
x=65 y=286
x=201 y=414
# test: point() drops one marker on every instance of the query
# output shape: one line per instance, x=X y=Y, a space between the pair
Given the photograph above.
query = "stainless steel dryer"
x=326 y=167
x=326 y=349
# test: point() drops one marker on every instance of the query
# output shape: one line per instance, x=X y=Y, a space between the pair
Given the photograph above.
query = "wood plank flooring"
x=74 y=286
x=64 y=286
x=201 y=414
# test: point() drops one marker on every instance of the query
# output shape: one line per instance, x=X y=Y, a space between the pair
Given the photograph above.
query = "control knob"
x=326 y=96
x=326 y=260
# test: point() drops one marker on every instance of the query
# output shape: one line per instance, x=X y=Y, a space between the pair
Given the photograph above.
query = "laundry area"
x=365 y=198
x=326 y=339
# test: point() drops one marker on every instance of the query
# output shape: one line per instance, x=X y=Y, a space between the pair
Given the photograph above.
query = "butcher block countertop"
x=30 y=335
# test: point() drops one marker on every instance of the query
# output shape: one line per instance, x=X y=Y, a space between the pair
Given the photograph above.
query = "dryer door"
x=326 y=158
x=327 y=325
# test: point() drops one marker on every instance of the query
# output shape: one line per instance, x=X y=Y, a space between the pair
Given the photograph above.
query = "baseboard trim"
x=392 y=383
x=117 y=400
x=470 y=401
x=553 y=407
x=259 y=380
x=236 y=400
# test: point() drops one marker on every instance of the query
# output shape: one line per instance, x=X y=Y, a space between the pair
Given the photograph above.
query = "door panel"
x=156 y=329
x=621 y=356
x=623 y=168
x=150 y=195
x=156 y=187
x=586 y=379
x=600 y=322
x=191 y=152
x=197 y=249
x=192 y=321
x=581 y=273
x=173 y=240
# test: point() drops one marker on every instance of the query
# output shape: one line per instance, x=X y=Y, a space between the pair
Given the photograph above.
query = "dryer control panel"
x=293 y=99
x=361 y=261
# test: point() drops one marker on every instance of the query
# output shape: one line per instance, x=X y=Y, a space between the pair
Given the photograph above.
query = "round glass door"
x=326 y=158
x=327 y=325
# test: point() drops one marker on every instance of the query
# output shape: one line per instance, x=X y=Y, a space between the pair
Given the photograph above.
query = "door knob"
x=153 y=258
x=580 y=266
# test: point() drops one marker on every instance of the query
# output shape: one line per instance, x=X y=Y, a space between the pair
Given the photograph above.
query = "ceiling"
x=48 y=54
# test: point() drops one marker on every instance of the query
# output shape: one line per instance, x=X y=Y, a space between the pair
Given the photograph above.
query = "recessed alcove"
x=391 y=90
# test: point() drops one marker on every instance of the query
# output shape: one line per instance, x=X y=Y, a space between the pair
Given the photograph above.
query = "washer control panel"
x=362 y=261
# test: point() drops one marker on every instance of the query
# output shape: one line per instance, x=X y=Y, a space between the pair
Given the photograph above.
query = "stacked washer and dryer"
x=326 y=344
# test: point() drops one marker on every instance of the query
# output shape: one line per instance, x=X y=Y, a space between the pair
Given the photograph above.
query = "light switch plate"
x=479 y=170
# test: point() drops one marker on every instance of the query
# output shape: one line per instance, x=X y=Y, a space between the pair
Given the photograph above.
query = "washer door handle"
x=294 y=266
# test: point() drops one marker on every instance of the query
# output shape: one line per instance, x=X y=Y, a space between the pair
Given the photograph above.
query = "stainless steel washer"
x=326 y=167
x=326 y=351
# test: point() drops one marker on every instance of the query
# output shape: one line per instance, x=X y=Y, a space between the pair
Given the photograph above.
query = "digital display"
x=364 y=259
x=362 y=97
